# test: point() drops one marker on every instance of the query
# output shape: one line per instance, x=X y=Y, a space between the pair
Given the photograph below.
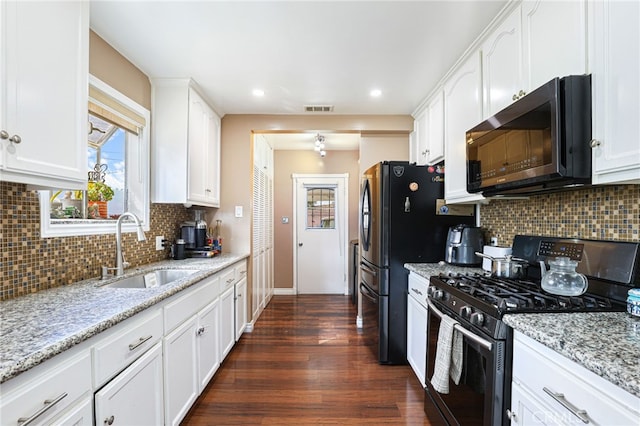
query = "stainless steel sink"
x=152 y=279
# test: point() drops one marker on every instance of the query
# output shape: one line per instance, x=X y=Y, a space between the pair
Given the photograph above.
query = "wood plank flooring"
x=306 y=364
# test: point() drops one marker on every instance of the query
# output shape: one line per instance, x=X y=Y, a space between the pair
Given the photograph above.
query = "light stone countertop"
x=606 y=343
x=38 y=326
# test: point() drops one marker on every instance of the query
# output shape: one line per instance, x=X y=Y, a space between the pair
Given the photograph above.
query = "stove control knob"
x=438 y=295
x=477 y=318
x=465 y=312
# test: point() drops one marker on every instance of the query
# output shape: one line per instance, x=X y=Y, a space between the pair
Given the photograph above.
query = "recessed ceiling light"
x=375 y=93
x=258 y=92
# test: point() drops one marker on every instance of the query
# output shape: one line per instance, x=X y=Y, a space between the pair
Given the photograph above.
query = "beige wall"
x=236 y=154
x=285 y=164
x=114 y=69
x=376 y=147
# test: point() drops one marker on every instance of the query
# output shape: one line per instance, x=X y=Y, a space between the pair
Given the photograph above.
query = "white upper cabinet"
x=186 y=145
x=523 y=52
x=615 y=44
x=44 y=92
x=428 y=137
x=462 y=111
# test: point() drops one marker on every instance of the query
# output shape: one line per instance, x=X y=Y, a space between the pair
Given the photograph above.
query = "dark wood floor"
x=306 y=364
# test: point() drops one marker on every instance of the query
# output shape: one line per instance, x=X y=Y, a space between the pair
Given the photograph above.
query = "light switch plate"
x=238 y=211
x=159 y=240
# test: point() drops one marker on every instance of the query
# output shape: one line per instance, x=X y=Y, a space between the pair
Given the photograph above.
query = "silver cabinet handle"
x=200 y=331
x=416 y=290
x=48 y=403
x=4 y=134
x=559 y=397
x=594 y=143
x=15 y=139
x=140 y=341
x=514 y=97
x=512 y=416
x=109 y=420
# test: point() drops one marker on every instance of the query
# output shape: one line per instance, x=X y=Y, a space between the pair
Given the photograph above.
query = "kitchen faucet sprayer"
x=120 y=262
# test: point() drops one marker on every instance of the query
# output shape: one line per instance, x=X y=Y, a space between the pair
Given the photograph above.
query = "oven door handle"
x=479 y=340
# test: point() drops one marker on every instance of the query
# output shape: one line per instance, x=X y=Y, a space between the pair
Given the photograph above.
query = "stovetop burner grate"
x=501 y=296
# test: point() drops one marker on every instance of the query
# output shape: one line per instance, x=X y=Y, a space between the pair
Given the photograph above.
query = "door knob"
x=299 y=244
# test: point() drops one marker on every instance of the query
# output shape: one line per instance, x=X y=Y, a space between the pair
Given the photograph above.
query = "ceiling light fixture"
x=375 y=93
x=258 y=93
x=318 y=145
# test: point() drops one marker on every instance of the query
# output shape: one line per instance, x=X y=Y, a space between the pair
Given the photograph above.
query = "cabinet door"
x=463 y=110
x=80 y=415
x=526 y=410
x=208 y=343
x=212 y=167
x=502 y=64
x=241 y=307
x=549 y=54
x=44 y=93
x=227 y=322
x=197 y=143
x=134 y=397
x=422 y=133
x=435 y=132
x=616 y=90
x=180 y=371
x=417 y=338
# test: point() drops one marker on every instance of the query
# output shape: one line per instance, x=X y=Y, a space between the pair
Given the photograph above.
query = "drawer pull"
x=140 y=341
x=48 y=403
x=416 y=291
x=559 y=397
x=230 y=280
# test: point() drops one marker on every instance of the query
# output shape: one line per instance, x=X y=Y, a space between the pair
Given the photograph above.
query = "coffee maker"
x=194 y=232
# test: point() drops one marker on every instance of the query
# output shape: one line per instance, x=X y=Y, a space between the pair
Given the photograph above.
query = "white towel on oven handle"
x=448 y=355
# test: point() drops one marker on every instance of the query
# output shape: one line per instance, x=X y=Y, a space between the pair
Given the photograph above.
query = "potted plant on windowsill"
x=98 y=194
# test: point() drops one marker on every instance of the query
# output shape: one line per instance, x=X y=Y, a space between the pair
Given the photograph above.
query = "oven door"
x=482 y=395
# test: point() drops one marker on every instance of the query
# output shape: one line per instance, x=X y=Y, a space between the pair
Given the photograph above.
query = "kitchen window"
x=117 y=170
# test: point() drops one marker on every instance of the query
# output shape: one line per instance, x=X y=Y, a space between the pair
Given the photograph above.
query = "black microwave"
x=540 y=143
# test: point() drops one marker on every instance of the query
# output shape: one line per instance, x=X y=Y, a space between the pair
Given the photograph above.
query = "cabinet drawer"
x=537 y=367
x=187 y=305
x=241 y=270
x=124 y=343
x=63 y=382
x=227 y=278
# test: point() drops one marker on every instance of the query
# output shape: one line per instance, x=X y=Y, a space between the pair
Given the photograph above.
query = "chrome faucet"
x=120 y=263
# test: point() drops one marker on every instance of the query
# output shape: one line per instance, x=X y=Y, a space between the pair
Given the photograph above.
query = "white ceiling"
x=299 y=52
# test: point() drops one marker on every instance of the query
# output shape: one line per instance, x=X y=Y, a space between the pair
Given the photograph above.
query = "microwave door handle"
x=479 y=340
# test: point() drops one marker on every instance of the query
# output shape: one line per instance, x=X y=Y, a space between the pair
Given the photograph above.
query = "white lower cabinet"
x=48 y=393
x=241 y=307
x=147 y=370
x=180 y=371
x=417 y=326
x=227 y=322
x=549 y=389
x=134 y=397
x=81 y=414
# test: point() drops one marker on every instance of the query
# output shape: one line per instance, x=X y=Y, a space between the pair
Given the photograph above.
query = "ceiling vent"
x=318 y=108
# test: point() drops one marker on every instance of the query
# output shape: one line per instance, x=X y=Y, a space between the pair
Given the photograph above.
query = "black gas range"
x=477 y=302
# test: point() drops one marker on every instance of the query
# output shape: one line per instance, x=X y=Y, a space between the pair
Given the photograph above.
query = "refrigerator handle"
x=367 y=269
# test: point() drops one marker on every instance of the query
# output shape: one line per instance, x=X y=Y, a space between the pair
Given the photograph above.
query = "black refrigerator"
x=403 y=219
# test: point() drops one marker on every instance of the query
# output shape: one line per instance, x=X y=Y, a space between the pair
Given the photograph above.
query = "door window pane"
x=321 y=211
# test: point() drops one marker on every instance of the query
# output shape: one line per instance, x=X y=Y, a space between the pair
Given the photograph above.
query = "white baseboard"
x=283 y=292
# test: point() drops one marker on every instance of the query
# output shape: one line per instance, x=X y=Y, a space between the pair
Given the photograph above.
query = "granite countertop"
x=428 y=269
x=606 y=343
x=38 y=326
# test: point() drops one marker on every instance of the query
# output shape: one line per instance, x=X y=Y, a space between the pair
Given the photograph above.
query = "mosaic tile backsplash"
x=29 y=263
x=597 y=213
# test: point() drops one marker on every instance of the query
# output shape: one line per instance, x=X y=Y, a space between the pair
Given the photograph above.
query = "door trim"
x=344 y=219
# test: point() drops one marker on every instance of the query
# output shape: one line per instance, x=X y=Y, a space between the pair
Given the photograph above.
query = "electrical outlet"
x=159 y=240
